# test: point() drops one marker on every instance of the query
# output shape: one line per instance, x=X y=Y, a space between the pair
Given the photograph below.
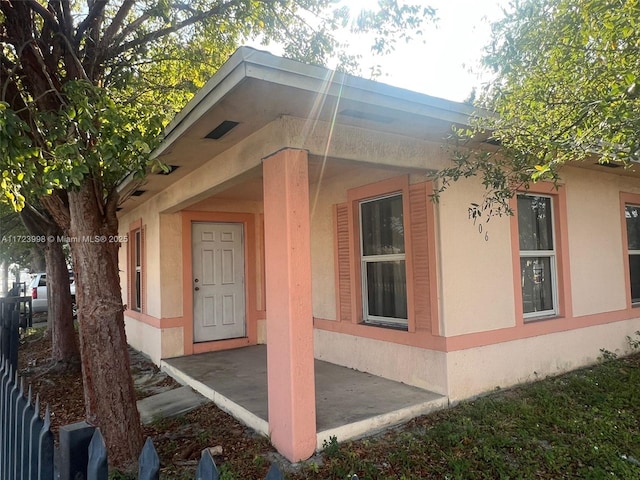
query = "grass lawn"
x=584 y=424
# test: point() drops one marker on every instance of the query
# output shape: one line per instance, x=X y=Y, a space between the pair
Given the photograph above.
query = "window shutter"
x=343 y=264
x=420 y=255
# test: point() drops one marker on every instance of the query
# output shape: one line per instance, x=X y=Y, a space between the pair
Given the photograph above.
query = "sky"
x=439 y=63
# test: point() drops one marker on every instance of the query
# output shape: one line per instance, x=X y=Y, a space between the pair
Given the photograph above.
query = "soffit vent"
x=608 y=164
x=493 y=141
x=221 y=130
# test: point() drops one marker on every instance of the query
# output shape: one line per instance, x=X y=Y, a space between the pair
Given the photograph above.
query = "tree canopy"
x=566 y=88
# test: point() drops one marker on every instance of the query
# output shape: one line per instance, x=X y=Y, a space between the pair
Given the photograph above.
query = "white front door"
x=218 y=281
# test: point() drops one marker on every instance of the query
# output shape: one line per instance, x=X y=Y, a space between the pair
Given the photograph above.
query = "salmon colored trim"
x=477 y=339
x=127 y=273
x=564 y=278
x=263 y=306
x=204 y=347
x=248 y=221
x=535 y=329
x=354 y=197
x=408 y=255
x=172 y=322
x=422 y=339
x=135 y=225
x=565 y=307
x=290 y=365
x=131 y=245
x=143 y=268
x=521 y=330
x=433 y=268
x=354 y=262
x=336 y=262
x=627 y=199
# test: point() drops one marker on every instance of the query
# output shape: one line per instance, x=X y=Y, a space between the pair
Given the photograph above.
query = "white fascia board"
x=336 y=84
x=316 y=79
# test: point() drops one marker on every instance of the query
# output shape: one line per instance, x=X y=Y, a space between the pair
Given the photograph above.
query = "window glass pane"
x=537 y=288
x=634 y=273
x=387 y=289
x=382 y=227
x=632 y=214
x=534 y=223
x=137 y=247
x=137 y=293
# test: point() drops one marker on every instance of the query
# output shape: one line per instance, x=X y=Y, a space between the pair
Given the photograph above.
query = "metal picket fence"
x=27 y=444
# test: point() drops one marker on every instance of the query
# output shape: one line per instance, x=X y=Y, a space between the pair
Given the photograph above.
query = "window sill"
x=541 y=318
x=401 y=328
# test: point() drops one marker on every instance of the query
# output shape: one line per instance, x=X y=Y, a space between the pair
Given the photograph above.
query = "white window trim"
x=552 y=255
x=365 y=259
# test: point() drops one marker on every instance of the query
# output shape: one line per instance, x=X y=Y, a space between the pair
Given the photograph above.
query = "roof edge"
x=248 y=62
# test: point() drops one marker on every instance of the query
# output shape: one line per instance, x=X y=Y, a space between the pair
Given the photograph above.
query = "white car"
x=38 y=289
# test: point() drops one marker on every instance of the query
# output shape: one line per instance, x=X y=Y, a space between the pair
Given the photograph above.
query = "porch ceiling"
x=319 y=170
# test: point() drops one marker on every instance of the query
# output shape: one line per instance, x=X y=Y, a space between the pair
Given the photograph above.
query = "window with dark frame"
x=632 y=216
x=383 y=263
x=538 y=262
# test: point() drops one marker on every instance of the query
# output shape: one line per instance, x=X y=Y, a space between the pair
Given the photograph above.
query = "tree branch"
x=34 y=219
x=43 y=12
x=117 y=21
x=57 y=204
x=72 y=58
x=131 y=27
x=68 y=18
x=151 y=36
x=94 y=13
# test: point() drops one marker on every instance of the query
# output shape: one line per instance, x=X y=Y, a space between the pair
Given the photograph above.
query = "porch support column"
x=290 y=375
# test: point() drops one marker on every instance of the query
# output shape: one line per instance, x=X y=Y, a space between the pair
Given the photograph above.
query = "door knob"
x=197 y=288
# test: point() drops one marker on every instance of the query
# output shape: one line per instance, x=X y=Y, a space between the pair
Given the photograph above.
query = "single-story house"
x=297 y=213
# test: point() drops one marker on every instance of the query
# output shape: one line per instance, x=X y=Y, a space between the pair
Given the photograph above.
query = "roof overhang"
x=254 y=88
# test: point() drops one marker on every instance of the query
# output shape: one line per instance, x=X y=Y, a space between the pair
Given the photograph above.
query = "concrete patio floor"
x=349 y=403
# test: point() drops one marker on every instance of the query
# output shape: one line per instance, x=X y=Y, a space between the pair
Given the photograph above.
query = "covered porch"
x=348 y=403
x=268 y=185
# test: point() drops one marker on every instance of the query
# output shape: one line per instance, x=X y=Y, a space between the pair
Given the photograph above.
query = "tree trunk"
x=108 y=386
x=38 y=262
x=64 y=347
